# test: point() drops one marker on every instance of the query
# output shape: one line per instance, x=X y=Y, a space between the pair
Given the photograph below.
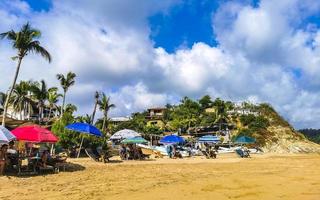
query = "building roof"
x=157 y=108
x=119 y=119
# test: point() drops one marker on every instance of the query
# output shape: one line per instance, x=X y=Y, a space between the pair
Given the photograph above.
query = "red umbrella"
x=34 y=133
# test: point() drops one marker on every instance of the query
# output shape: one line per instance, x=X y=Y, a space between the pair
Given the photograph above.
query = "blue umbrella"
x=209 y=139
x=244 y=140
x=84 y=128
x=172 y=139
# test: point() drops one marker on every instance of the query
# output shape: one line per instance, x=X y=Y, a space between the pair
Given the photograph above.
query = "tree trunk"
x=94 y=112
x=10 y=92
x=49 y=116
x=63 y=102
x=104 y=123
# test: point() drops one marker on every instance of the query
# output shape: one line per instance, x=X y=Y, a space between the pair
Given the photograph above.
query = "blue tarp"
x=209 y=139
x=84 y=128
x=244 y=140
x=172 y=139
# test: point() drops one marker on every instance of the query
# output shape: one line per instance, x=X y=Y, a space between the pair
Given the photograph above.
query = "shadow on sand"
x=69 y=167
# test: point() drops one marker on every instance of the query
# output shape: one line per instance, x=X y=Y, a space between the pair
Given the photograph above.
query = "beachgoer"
x=3 y=158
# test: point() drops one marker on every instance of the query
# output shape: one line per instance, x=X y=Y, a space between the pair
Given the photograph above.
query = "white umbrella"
x=5 y=135
x=124 y=134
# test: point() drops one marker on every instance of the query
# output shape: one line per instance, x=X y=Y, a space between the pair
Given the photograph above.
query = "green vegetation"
x=311 y=134
x=25 y=42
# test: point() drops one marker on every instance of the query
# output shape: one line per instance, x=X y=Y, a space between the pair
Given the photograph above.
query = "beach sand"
x=227 y=177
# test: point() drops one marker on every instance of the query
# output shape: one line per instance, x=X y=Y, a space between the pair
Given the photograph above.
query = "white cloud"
x=107 y=44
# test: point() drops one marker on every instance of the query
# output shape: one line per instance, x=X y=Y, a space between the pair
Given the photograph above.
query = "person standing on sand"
x=3 y=158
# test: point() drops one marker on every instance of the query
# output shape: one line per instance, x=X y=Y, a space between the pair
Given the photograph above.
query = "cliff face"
x=279 y=136
x=286 y=140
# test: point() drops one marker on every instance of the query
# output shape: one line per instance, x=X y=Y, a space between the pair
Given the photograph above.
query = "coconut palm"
x=53 y=98
x=25 y=42
x=3 y=97
x=66 y=82
x=96 y=97
x=40 y=95
x=105 y=106
x=70 y=108
x=20 y=99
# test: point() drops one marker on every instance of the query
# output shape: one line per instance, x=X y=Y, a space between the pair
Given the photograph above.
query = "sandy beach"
x=228 y=177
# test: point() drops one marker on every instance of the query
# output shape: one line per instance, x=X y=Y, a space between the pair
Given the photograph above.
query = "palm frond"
x=35 y=47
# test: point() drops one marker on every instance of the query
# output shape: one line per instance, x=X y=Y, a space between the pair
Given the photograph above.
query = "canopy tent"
x=209 y=139
x=172 y=139
x=5 y=135
x=124 y=134
x=244 y=140
x=134 y=140
x=35 y=134
x=84 y=128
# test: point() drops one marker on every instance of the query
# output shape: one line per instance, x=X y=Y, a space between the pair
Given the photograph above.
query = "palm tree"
x=105 y=106
x=3 y=97
x=25 y=41
x=66 y=82
x=40 y=94
x=20 y=99
x=53 y=98
x=96 y=97
x=70 y=108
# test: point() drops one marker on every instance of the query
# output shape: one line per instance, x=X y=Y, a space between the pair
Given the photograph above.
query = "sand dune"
x=228 y=177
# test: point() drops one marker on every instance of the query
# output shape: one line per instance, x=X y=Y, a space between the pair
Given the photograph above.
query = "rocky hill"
x=277 y=135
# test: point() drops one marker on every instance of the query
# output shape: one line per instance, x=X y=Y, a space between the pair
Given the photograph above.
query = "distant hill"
x=311 y=134
x=276 y=134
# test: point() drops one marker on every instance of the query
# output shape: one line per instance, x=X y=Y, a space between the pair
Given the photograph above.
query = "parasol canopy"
x=35 y=134
x=172 y=139
x=5 y=135
x=134 y=140
x=124 y=134
x=244 y=140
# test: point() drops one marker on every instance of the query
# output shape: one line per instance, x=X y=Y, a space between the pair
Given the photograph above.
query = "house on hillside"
x=117 y=120
x=155 y=117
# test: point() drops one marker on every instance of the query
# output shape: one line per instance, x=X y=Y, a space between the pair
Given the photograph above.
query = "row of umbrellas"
x=38 y=134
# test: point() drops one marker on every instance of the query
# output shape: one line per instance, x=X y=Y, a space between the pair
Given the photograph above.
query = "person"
x=3 y=158
x=169 y=150
x=12 y=155
x=123 y=152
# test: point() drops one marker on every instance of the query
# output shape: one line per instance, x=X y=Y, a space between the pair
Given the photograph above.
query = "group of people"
x=11 y=157
x=130 y=152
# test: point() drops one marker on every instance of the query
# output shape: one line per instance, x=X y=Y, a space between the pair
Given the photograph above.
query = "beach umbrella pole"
x=80 y=147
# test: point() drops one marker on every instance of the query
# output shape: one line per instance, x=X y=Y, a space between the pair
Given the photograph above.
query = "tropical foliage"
x=25 y=42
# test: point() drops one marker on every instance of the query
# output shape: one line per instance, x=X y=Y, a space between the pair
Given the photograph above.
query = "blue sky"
x=155 y=52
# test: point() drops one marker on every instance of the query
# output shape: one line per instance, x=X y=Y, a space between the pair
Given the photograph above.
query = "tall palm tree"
x=105 y=105
x=66 y=82
x=70 y=108
x=3 y=97
x=25 y=41
x=20 y=99
x=53 y=98
x=96 y=97
x=40 y=95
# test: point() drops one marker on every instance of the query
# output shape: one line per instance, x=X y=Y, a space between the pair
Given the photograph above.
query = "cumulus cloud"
x=267 y=52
